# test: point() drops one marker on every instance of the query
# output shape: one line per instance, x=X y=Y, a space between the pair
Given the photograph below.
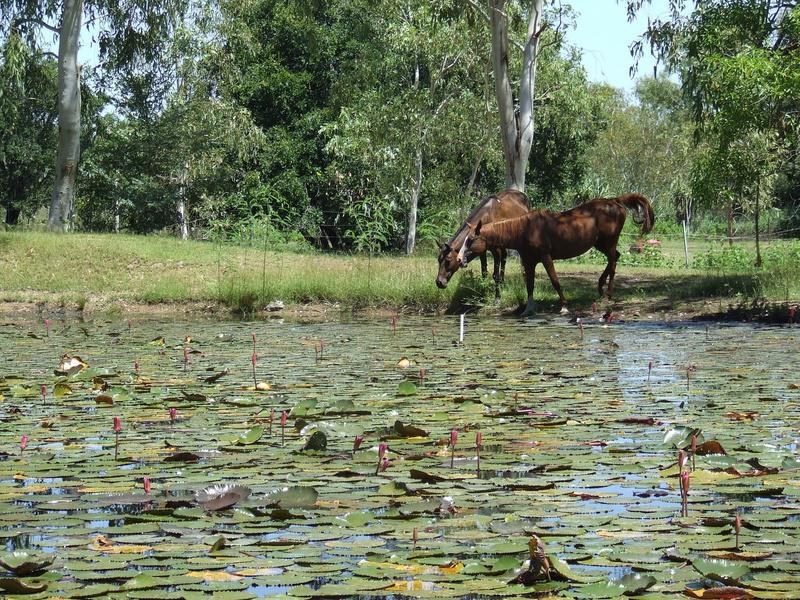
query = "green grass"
x=102 y=269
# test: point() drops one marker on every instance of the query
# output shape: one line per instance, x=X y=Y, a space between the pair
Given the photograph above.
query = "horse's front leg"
x=496 y=273
x=484 y=268
x=529 y=265
x=547 y=261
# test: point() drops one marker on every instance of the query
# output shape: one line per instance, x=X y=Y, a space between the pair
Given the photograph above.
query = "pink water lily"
x=478 y=444
x=382 y=448
x=47 y=326
x=43 y=390
x=737 y=527
x=117 y=429
x=357 y=441
x=453 y=440
x=173 y=414
x=283 y=428
x=146 y=484
x=23 y=443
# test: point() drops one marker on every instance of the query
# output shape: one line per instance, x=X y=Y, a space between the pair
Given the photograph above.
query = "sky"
x=604 y=35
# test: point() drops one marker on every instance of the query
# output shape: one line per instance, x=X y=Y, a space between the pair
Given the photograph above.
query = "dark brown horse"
x=504 y=205
x=542 y=236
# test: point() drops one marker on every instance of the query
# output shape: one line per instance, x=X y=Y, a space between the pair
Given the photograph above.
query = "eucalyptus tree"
x=128 y=31
x=739 y=61
x=427 y=100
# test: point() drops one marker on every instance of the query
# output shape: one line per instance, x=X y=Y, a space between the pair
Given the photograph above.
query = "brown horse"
x=541 y=236
x=504 y=205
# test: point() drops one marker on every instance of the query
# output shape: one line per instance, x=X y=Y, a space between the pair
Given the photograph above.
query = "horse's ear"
x=478 y=228
x=470 y=225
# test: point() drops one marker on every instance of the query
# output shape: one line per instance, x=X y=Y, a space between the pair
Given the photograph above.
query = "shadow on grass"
x=655 y=291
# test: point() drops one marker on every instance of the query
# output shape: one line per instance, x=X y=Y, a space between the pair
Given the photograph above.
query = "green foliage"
x=27 y=128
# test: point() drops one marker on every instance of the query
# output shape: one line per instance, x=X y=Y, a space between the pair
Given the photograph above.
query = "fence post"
x=685 y=243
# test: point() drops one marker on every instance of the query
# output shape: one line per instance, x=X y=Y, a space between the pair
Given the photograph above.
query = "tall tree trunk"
x=15 y=196
x=758 y=207
x=516 y=127
x=182 y=203
x=412 y=213
x=69 y=116
x=730 y=223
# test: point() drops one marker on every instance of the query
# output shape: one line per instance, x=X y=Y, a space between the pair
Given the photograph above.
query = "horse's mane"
x=474 y=213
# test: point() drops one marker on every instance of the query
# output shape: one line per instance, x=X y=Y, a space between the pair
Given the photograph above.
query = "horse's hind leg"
x=547 y=261
x=613 y=264
x=484 y=269
x=610 y=270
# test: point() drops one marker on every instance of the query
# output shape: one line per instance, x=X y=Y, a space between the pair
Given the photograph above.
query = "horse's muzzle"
x=441 y=283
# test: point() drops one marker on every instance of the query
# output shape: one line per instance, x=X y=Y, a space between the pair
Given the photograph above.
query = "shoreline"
x=53 y=305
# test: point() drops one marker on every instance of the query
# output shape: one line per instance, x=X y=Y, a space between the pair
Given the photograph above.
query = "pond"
x=580 y=438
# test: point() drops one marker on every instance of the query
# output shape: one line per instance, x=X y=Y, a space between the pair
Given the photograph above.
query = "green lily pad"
x=24 y=563
x=720 y=569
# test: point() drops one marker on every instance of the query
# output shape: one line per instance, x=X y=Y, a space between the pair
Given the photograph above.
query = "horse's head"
x=473 y=245
x=448 y=264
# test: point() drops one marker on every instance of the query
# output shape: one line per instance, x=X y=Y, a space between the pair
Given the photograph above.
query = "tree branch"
x=480 y=10
x=39 y=22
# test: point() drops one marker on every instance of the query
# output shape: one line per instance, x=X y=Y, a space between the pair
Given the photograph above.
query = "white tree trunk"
x=412 y=213
x=69 y=117
x=516 y=127
x=182 y=203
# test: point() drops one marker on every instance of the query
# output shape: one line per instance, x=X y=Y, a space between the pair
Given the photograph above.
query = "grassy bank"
x=108 y=270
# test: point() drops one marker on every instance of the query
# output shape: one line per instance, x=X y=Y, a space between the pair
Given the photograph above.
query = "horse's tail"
x=642 y=210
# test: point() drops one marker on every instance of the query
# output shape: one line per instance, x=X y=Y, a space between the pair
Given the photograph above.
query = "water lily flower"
x=382 y=448
x=737 y=527
x=478 y=439
x=23 y=443
x=453 y=440
x=146 y=484
x=357 y=441
x=117 y=429
x=422 y=373
x=283 y=428
x=271 y=419
x=43 y=390
x=173 y=414
x=136 y=367
x=47 y=326
x=685 y=493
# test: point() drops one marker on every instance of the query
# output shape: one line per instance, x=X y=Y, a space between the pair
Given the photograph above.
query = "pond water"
x=573 y=450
